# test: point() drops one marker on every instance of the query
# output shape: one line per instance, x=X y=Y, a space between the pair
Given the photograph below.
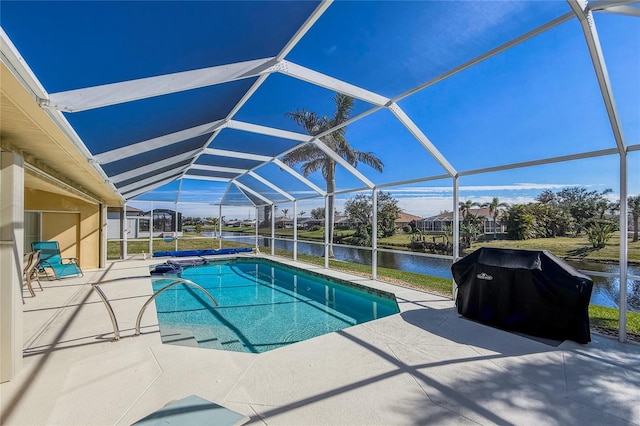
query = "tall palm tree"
x=314 y=159
x=494 y=210
x=465 y=207
x=634 y=209
x=285 y=212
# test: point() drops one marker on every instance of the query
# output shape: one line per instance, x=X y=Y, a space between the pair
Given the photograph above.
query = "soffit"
x=26 y=128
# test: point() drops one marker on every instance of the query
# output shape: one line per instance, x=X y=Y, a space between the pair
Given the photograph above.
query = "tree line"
x=572 y=211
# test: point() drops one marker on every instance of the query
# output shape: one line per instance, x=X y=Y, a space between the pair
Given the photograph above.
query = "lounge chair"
x=31 y=271
x=50 y=259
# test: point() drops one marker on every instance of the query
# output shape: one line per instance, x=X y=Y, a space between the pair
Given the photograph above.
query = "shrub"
x=599 y=232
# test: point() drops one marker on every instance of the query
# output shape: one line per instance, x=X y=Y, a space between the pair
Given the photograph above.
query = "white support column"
x=220 y=226
x=11 y=263
x=102 y=261
x=456 y=226
x=374 y=235
x=585 y=16
x=175 y=226
x=273 y=229
x=257 y=213
x=151 y=232
x=327 y=215
x=295 y=230
x=624 y=248
x=125 y=232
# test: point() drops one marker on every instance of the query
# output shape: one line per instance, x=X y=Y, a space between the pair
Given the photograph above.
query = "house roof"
x=481 y=211
x=407 y=217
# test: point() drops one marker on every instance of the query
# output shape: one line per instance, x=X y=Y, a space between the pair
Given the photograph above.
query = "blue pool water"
x=262 y=306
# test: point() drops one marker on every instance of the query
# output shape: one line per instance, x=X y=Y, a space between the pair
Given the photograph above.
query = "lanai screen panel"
x=285 y=181
x=201 y=191
x=382 y=136
x=620 y=39
x=537 y=98
x=518 y=106
x=167 y=193
x=118 y=43
x=281 y=94
x=392 y=47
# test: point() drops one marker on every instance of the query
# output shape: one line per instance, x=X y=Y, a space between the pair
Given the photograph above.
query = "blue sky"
x=536 y=100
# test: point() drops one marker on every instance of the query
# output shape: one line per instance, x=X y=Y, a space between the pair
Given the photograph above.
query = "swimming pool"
x=262 y=305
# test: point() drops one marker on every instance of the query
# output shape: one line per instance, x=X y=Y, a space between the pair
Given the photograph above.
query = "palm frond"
x=307 y=152
x=344 y=106
x=308 y=120
x=312 y=166
x=369 y=159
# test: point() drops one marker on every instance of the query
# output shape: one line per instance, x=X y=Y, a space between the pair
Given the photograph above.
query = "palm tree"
x=634 y=209
x=285 y=211
x=494 y=210
x=314 y=159
x=302 y=213
x=465 y=207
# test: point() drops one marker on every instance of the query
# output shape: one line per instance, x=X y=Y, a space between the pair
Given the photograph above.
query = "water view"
x=605 y=289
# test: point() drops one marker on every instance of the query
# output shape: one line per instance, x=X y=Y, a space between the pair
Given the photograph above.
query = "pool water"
x=262 y=306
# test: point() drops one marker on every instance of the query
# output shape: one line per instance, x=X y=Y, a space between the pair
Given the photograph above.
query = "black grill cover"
x=528 y=291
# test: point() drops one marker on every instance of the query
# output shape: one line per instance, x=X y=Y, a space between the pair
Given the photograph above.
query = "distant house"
x=283 y=222
x=165 y=223
x=438 y=222
x=309 y=222
x=405 y=218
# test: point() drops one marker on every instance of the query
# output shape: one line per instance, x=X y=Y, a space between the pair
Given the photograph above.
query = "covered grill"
x=529 y=291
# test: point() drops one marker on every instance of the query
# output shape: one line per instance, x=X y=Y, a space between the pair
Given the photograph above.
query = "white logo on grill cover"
x=484 y=276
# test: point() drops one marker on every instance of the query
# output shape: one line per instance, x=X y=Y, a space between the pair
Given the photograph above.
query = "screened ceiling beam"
x=209 y=178
x=269 y=131
x=217 y=168
x=585 y=17
x=422 y=138
x=304 y=28
x=245 y=188
x=621 y=10
x=152 y=167
x=298 y=176
x=344 y=163
x=159 y=142
x=602 y=5
x=319 y=79
x=270 y=185
x=235 y=154
x=543 y=161
x=132 y=90
x=152 y=179
x=147 y=188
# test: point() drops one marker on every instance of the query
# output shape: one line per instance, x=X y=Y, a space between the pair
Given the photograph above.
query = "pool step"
x=195 y=337
x=206 y=337
x=178 y=336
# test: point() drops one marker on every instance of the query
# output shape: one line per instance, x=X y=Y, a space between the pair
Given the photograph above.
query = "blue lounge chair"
x=50 y=259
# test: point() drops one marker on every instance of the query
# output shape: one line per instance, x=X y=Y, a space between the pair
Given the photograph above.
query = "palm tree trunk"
x=331 y=187
x=495 y=226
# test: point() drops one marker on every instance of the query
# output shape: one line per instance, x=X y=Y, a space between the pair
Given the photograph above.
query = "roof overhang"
x=28 y=130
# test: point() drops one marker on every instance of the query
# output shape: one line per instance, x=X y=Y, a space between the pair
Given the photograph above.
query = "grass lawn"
x=569 y=248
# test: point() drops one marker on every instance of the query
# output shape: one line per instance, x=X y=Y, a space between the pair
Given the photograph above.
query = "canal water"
x=605 y=290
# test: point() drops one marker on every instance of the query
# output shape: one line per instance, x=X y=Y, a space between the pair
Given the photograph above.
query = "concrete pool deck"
x=425 y=365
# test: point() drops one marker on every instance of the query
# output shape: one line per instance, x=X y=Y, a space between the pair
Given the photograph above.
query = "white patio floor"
x=425 y=365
